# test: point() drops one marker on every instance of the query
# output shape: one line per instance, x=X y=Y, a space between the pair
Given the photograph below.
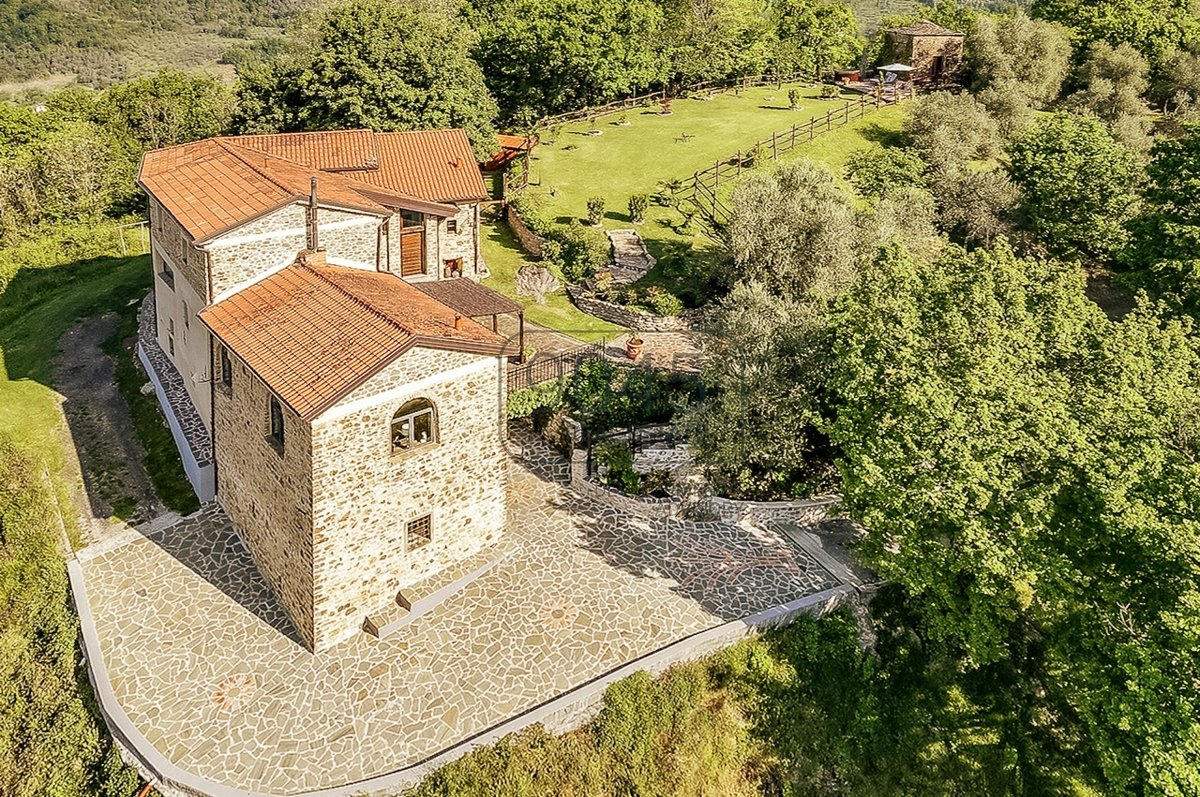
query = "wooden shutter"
x=412 y=252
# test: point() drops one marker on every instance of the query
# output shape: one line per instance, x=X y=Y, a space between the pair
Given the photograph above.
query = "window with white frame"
x=414 y=425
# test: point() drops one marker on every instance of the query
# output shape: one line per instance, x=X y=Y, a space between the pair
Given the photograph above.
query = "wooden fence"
x=556 y=366
x=701 y=87
x=701 y=189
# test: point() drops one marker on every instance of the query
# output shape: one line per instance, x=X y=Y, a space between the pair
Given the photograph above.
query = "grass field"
x=504 y=256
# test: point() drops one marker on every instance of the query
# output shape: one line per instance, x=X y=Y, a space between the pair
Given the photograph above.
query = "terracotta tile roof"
x=431 y=164
x=314 y=332
x=510 y=148
x=214 y=185
x=925 y=28
x=469 y=297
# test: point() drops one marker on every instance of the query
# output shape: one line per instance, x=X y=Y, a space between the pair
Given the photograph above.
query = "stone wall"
x=363 y=494
x=267 y=494
x=271 y=242
x=919 y=52
x=530 y=241
x=441 y=245
x=625 y=317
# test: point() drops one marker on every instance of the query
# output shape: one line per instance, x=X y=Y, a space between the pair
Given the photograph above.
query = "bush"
x=530 y=211
x=615 y=461
x=637 y=207
x=793 y=98
x=595 y=210
x=879 y=171
x=662 y=302
x=582 y=252
x=523 y=403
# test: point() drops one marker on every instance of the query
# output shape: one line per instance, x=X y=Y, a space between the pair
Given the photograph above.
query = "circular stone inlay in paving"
x=234 y=691
x=558 y=614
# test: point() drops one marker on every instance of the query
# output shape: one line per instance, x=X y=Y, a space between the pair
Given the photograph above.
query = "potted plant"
x=634 y=345
x=665 y=102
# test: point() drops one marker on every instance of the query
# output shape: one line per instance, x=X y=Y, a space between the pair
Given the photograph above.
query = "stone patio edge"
x=563 y=712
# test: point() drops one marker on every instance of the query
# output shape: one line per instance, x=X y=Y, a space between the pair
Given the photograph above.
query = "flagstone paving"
x=205 y=663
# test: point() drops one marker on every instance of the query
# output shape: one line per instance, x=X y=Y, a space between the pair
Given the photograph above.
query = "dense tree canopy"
x=813 y=36
x=1017 y=64
x=545 y=56
x=1027 y=470
x=1166 y=239
x=168 y=108
x=1080 y=185
x=1113 y=82
x=382 y=64
x=711 y=39
x=1156 y=28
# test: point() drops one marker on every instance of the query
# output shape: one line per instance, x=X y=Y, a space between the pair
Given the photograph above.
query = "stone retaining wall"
x=530 y=241
x=625 y=317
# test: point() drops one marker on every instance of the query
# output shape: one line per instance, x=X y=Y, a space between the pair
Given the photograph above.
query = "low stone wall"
x=802 y=513
x=530 y=241
x=653 y=508
x=630 y=319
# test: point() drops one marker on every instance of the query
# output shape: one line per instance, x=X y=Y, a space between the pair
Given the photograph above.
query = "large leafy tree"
x=1080 y=184
x=812 y=36
x=1112 y=84
x=168 y=108
x=1027 y=471
x=1017 y=65
x=1166 y=238
x=382 y=64
x=712 y=39
x=544 y=56
x=1156 y=28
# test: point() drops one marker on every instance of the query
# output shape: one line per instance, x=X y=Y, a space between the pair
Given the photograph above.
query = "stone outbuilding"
x=935 y=53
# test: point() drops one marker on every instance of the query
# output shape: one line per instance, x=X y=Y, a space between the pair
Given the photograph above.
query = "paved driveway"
x=204 y=663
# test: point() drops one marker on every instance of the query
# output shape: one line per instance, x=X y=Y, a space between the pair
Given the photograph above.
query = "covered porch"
x=478 y=303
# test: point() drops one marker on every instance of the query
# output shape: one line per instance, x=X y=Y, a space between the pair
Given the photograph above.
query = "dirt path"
x=115 y=487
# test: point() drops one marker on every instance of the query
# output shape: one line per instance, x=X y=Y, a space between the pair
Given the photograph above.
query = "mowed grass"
x=626 y=160
x=504 y=256
x=38 y=303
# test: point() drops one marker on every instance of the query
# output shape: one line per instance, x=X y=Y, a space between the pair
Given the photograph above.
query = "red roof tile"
x=214 y=185
x=314 y=332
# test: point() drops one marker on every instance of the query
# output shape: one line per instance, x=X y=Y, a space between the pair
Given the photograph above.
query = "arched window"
x=414 y=425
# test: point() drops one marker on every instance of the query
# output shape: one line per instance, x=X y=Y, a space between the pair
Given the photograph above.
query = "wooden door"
x=412 y=252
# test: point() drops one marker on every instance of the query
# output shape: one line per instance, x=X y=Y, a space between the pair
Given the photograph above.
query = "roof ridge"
x=316 y=271
x=232 y=149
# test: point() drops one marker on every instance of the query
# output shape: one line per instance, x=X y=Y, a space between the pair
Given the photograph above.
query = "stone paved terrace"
x=204 y=663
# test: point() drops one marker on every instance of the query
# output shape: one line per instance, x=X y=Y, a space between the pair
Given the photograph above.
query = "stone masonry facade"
x=921 y=53
x=267 y=491
x=364 y=494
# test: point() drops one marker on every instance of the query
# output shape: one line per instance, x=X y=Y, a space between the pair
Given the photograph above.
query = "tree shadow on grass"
x=883 y=136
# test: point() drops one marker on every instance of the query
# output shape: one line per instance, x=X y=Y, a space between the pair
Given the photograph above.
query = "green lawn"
x=504 y=256
x=570 y=166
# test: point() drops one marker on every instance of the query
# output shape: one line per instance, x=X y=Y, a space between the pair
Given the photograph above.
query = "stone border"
x=530 y=241
x=565 y=712
x=624 y=317
x=807 y=513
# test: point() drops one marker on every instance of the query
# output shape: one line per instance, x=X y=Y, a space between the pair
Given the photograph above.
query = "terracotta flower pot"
x=633 y=348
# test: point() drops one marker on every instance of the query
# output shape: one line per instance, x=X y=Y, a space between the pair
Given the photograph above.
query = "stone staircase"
x=423 y=597
x=631 y=259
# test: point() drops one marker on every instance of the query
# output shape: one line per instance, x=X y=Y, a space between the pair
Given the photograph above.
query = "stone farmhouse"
x=312 y=338
x=935 y=53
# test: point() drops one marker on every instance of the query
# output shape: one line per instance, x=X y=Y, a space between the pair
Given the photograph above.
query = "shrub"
x=595 y=210
x=530 y=211
x=589 y=389
x=583 y=251
x=616 y=467
x=525 y=402
x=637 y=207
x=793 y=98
x=879 y=171
x=662 y=302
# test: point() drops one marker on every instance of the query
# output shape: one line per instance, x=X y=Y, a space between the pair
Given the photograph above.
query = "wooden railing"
x=701 y=189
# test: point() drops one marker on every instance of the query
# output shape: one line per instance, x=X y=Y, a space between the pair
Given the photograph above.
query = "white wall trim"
x=485 y=363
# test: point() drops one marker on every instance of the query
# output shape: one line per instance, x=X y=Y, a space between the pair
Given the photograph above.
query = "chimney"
x=314 y=242
x=458 y=324
x=313 y=258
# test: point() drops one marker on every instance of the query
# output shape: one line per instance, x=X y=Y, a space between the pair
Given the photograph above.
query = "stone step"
x=419 y=599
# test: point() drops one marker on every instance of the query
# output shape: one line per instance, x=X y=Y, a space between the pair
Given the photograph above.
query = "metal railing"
x=556 y=366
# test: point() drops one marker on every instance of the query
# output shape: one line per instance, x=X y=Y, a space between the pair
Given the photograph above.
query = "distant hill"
x=96 y=42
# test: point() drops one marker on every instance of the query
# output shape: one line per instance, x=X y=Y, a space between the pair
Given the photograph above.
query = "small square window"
x=418 y=532
x=452 y=226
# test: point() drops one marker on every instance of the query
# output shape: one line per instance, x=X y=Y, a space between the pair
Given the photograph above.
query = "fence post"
x=793 y=135
x=739 y=161
x=774 y=149
x=847 y=109
x=717 y=173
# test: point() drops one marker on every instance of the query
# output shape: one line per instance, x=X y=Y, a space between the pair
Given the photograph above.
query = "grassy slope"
x=504 y=256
